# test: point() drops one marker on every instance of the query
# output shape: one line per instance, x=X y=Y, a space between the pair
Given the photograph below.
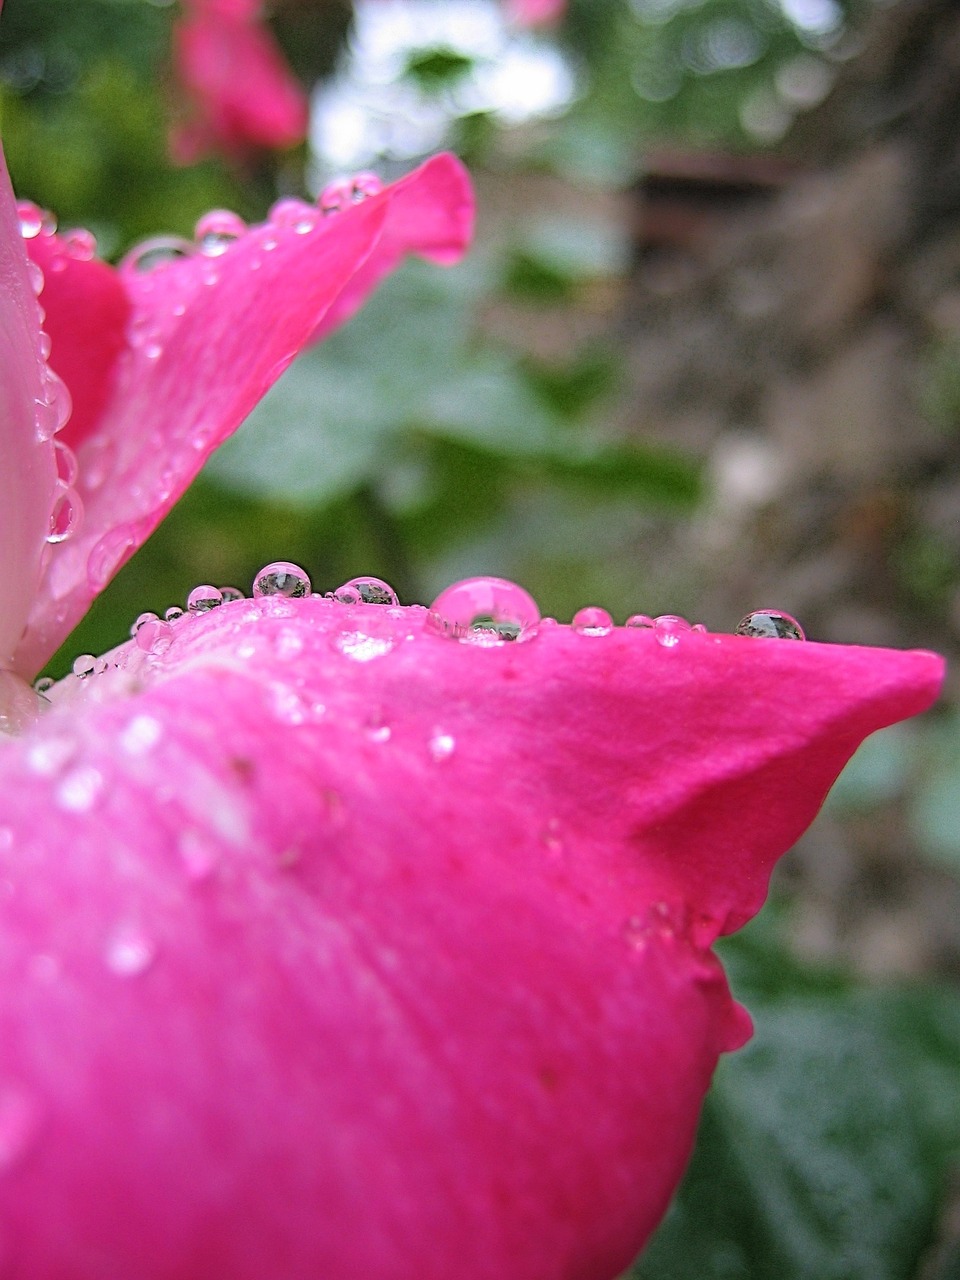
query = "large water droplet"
x=770 y=624
x=592 y=621
x=366 y=591
x=65 y=516
x=129 y=952
x=158 y=251
x=217 y=230
x=669 y=628
x=281 y=578
x=203 y=598
x=484 y=611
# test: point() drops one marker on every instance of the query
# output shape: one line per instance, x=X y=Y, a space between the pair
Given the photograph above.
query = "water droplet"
x=141 y=735
x=65 y=516
x=365 y=184
x=484 y=611
x=50 y=756
x=84 y=666
x=174 y=612
x=592 y=621
x=639 y=620
x=366 y=591
x=441 y=745
x=53 y=409
x=231 y=593
x=43 y=685
x=154 y=636
x=31 y=219
x=45 y=344
x=158 y=251
x=281 y=578
x=668 y=629
x=20 y=1117
x=217 y=230
x=203 y=598
x=140 y=620
x=129 y=952
x=79 y=244
x=335 y=196
x=35 y=274
x=79 y=789
x=770 y=624
x=296 y=214
x=700 y=628
x=67 y=467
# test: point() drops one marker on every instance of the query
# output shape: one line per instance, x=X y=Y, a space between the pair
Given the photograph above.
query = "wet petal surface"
x=324 y=956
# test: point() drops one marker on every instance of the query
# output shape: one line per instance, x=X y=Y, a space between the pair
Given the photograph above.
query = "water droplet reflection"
x=770 y=624
x=485 y=612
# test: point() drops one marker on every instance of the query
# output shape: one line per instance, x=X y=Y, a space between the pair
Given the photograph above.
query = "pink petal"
x=335 y=948
x=27 y=464
x=206 y=337
x=536 y=13
x=243 y=94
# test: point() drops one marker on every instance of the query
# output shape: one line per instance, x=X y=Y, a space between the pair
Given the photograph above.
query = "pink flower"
x=241 y=94
x=331 y=943
x=536 y=13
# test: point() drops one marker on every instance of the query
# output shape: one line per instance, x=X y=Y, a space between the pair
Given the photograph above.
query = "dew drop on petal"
x=174 y=613
x=45 y=344
x=281 y=578
x=592 y=621
x=640 y=620
x=31 y=219
x=335 y=196
x=296 y=214
x=158 y=251
x=84 y=665
x=668 y=629
x=43 y=685
x=79 y=789
x=366 y=591
x=485 y=612
x=35 y=276
x=54 y=408
x=140 y=620
x=65 y=516
x=365 y=184
x=129 y=952
x=154 y=636
x=217 y=230
x=770 y=624
x=231 y=593
x=203 y=598
x=67 y=467
x=80 y=244
x=441 y=745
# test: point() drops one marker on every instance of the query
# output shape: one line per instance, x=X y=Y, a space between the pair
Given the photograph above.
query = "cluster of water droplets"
x=218 y=230
x=53 y=405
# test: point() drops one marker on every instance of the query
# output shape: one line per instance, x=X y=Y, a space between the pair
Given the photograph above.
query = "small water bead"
x=158 y=251
x=217 y=230
x=31 y=219
x=174 y=613
x=84 y=666
x=79 y=244
x=154 y=636
x=65 y=515
x=203 y=598
x=366 y=591
x=335 y=196
x=592 y=621
x=35 y=276
x=53 y=409
x=484 y=611
x=67 y=467
x=365 y=184
x=295 y=214
x=45 y=344
x=281 y=578
x=668 y=629
x=43 y=685
x=640 y=620
x=231 y=593
x=441 y=745
x=770 y=624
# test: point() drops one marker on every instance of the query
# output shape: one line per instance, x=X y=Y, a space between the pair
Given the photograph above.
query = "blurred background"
x=705 y=357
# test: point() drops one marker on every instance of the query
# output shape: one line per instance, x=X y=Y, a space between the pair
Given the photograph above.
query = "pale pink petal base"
x=332 y=947
x=205 y=338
